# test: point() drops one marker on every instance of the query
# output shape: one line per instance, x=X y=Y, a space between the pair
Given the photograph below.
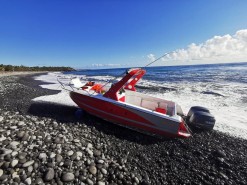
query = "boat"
x=120 y=103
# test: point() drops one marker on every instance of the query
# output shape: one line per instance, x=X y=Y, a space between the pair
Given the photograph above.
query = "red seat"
x=161 y=110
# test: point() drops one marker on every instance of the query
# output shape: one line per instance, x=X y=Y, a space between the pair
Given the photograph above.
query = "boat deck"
x=151 y=103
x=135 y=98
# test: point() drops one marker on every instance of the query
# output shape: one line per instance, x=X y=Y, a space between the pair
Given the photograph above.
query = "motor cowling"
x=195 y=109
x=200 y=117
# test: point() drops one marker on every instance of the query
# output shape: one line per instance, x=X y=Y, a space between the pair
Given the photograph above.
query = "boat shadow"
x=62 y=113
x=67 y=114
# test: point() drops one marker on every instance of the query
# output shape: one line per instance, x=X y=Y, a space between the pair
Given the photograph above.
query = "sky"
x=122 y=33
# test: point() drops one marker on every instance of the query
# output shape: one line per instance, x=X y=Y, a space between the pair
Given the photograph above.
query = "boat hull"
x=128 y=116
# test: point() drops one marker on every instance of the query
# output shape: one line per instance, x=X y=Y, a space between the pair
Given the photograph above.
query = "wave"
x=212 y=93
x=155 y=88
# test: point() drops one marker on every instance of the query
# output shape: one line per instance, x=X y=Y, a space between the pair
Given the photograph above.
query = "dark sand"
x=52 y=146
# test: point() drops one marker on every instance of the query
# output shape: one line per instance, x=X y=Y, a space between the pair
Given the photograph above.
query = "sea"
x=222 y=88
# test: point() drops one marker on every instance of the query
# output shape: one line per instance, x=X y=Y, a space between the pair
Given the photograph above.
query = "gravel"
x=45 y=143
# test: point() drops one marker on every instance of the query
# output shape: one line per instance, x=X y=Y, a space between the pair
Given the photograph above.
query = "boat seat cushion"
x=161 y=110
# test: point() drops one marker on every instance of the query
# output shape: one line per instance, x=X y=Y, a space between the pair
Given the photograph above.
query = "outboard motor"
x=200 y=117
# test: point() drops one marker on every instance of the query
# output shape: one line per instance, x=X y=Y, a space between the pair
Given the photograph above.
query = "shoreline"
x=91 y=150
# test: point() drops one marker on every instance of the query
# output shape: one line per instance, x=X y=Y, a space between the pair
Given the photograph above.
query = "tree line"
x=34 y=68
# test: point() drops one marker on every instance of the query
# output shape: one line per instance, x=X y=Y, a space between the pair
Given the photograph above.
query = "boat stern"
x=183 y=130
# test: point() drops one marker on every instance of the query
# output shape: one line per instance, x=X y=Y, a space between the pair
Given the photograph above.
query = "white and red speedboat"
x=122 y=104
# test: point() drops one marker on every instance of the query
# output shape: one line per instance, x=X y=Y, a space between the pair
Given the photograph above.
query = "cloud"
x=151 y=57
x=226 y=48
x=107 y=65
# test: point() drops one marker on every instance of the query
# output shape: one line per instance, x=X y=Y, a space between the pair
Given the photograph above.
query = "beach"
x=15 y=73
x=45 y=143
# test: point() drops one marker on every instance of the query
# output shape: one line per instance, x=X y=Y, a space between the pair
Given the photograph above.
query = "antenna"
x=158 y=59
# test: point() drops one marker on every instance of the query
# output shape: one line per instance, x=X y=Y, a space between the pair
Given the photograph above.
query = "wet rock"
x=21 y=123
x=90 y=152
x=35 y=165
x=13 y=127
x=8 y=157
x=89 y=181
x=17 y=180
x=76 y=140
x=42 y=156
x=220 y=159
x=220 y=153
x=59 y=158
x=28 y=181
x=39 y=181
x=67 y=163
x=52 y=155
x=77 y=173
x=100 y=183
x=20 y=134
x=104 y=171
x=3 y=177
x=79 y=154
x=89 y=146
x=15 y=174
x=70 y=153
x=2 y=138
x=136 y=180
x=73 y=157
x=22 y=161
x=82 y=178
x=96 y=153
x=100 y=161
x=5 y=165
x=22 y=155
x=68 y=177
x=14 y=163
x=30 y=169
x=26 y=164
x=25 y=137
x=14 y=144
x=6 y=151
x=93 y=170
x=1 y=172
x=49 y=174
x=59 y=140
x=14 y=153
x=223 y=175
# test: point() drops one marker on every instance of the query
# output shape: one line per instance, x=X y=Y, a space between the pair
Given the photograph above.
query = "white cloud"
x=151 y=57
x=226 y=48
x=107 y=65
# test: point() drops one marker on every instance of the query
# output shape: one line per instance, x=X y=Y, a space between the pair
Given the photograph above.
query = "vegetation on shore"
x=34 y=68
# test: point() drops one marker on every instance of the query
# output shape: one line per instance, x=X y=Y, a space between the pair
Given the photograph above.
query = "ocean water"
x=222 y=88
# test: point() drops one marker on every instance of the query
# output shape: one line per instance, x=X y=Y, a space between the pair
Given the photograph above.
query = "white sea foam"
x=60 y=98
x=105 y=78
x=228 y=110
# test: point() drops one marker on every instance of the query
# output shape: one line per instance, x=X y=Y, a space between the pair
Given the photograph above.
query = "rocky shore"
x=46 y=144
x=11 y=73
